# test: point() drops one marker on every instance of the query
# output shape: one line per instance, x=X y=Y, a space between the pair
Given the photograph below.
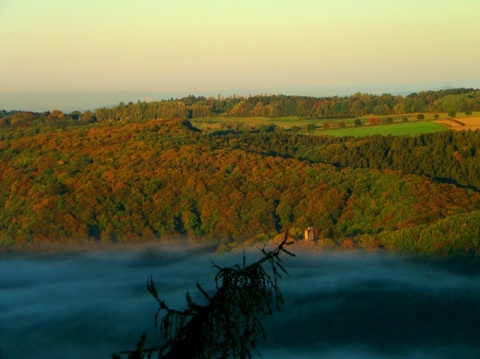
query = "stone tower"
x=309 y=233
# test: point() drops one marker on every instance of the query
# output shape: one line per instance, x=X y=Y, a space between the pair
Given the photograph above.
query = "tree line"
x=360 y=104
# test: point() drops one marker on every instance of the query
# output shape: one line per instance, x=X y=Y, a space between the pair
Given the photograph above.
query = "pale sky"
x=253 y=46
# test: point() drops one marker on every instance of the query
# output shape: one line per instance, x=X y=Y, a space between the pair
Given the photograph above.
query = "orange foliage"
x=348 y=244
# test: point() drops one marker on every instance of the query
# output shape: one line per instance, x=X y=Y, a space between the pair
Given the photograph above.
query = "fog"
x=337 y=305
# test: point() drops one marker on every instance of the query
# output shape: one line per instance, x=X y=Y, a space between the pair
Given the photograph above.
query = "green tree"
x=452 y=113
x=420 y=116
x=311 y=127
x=87 y=117
x=228 y=325
x=357 y=122
x=436 y=116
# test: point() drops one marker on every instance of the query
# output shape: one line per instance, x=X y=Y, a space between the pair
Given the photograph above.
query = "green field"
x=398 y=129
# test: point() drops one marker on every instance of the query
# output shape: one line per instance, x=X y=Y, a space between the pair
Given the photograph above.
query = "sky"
x=56 y=50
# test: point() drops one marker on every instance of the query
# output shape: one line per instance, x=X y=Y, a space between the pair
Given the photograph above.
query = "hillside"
x=123 y=182
x=447 y=156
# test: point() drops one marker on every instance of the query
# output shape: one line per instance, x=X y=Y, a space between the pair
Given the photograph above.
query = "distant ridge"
x=68 y=101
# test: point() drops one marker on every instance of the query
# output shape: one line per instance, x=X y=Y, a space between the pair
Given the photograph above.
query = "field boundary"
x=456 y=121
x=462 y=124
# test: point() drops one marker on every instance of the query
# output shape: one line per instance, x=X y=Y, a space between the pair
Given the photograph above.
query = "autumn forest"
x=141 y=171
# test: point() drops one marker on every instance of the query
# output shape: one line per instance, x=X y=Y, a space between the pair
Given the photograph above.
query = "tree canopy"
x=120 y=183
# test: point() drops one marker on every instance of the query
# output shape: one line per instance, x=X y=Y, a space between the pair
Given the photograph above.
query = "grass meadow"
x=405 y=124
x=397 y=129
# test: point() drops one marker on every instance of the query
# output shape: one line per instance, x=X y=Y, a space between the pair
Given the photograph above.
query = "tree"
x=75 y=115
x=266 y=129
x=452 y=113
x=87 y=117
x=468 y=113
x=420 y=116
x=436 y=116
x=311 y=127
x=389 y=120
x=357 y=122
x=228 y=325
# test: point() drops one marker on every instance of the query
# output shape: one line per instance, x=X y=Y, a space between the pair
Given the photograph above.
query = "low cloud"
x=336 y=305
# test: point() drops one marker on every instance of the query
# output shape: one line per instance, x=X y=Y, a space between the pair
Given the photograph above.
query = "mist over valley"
x=337 y=305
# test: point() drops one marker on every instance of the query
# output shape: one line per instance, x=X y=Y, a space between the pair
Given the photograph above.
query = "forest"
x=86 y=181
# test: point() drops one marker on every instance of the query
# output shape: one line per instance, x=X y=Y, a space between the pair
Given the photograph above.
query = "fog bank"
x=336 y=305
